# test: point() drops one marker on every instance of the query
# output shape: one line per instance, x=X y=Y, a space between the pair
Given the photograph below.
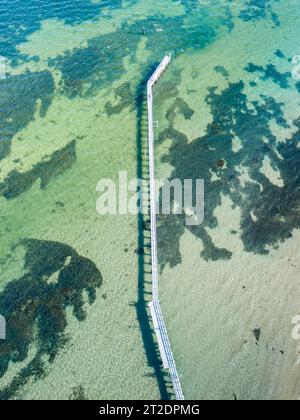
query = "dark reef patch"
x=220 y=163
x=252 y=83
x=78 y=393
x=17 y=183
x=222 y=71
x=270 y=73
x=21 y=18
x=18 y=102
x=257 y=333
x=102 y=61
x=269 y=213
x=279 y=54
x=34 y=307
x=168 y=87
x=189 y=5
x=275 y=19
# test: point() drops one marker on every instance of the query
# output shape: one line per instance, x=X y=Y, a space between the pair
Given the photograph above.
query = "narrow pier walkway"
x=155 y=309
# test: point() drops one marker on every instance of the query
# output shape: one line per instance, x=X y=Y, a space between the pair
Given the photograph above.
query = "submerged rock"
x=125 y=99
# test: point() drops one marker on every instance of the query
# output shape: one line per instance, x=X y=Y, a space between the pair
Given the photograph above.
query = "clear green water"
x=71 y=282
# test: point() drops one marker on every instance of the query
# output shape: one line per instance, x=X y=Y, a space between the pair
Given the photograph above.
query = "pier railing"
x=155 y=309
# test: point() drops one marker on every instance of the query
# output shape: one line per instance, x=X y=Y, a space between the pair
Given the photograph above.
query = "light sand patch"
x=69 y=37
